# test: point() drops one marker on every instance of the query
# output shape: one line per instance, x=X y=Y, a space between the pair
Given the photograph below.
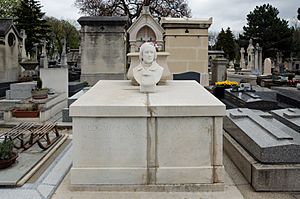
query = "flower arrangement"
x=226 y=83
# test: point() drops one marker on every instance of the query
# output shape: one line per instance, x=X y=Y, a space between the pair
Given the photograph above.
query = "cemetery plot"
x=266 y=150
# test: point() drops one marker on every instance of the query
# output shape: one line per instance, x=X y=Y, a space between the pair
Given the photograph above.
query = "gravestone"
x=103 y=48
x=267 y=67
x=20 y=90
x=218 y=69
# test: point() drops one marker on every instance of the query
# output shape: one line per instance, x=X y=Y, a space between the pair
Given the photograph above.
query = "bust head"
x=147 y=53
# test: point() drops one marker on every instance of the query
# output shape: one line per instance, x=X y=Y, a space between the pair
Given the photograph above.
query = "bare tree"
x=133 y=8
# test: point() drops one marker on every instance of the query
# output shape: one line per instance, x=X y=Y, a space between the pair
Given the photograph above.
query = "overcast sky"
x=225 y=13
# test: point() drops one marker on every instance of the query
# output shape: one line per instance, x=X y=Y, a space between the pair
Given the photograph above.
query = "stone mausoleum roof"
x=5 y=25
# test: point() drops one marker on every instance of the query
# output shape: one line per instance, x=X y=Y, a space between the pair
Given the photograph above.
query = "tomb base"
x=170 y=137
x=262 y=176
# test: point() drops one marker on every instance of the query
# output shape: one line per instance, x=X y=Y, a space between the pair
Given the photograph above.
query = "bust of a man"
x=148 y=73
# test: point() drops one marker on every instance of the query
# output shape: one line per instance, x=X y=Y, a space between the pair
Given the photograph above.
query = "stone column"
x=103 y=48
x=256 y=57
x=218 y=70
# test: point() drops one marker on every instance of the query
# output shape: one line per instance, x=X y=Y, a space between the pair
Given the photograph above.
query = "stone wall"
x=103 y=48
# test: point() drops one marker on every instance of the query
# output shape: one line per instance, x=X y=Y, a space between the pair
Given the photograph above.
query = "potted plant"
x=39 y=92
x=28 y=111
x=7 y=155
x=219 y=90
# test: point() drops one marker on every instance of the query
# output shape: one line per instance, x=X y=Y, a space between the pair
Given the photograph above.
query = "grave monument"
x=103 y=48
x=265 y=147
x=131 y=138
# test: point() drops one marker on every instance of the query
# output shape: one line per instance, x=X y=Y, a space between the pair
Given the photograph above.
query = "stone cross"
x=258 y=118
x=242 y=61
x=23 y=52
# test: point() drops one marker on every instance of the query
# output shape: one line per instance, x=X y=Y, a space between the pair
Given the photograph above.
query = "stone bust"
x=148 y=73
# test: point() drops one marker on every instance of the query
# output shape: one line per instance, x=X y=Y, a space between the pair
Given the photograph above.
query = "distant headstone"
x=267 y=66
x=218 y=69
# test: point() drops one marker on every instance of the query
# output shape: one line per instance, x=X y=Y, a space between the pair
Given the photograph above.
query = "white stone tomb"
x=124 y=137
